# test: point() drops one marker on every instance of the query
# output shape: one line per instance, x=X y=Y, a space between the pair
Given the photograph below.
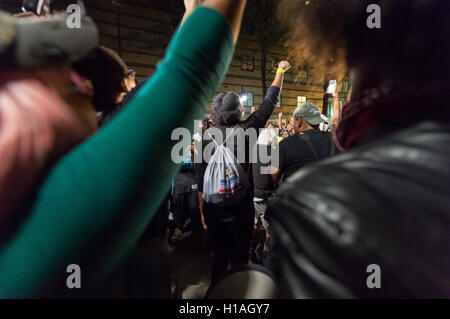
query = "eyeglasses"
x=132 y=74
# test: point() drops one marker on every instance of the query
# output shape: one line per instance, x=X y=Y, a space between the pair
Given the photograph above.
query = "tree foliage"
x=262 y=21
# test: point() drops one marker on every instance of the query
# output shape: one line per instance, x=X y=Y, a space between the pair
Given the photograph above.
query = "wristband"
x=280 y=70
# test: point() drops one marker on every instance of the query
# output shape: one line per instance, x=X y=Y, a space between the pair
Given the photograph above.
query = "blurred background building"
x=140 y=30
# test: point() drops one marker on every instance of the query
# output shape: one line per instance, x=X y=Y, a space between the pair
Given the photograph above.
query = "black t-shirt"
x=263 y=186
x=186 y=181
x=294 y=153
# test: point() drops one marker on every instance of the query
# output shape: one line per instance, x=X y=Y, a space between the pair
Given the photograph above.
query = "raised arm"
x=336 y=109
x=96 y=202
x=232 y=10
x=280 y=123
x=190 y=6
x=283 y=66
x=259 y=118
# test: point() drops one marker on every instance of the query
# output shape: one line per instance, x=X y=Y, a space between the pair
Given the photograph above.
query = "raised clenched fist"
x=284 y=65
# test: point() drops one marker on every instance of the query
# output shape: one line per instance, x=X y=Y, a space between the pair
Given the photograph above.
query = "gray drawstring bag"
x=225 y=181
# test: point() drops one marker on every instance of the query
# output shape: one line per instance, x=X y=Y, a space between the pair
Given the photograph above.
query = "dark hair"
x=225 y=109
x=106 y=69
x=411 y=47
x=108 y=115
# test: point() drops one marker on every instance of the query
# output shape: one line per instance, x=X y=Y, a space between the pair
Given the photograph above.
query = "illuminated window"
x=246 y=98
x=279 y=101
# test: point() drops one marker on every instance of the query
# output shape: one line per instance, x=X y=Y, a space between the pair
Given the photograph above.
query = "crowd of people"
x=86 y=180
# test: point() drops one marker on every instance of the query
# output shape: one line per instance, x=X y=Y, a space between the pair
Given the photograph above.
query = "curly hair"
x=333 y=35
x=225 y=109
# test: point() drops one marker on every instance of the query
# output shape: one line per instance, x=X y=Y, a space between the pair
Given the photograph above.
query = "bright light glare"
x=243 y=98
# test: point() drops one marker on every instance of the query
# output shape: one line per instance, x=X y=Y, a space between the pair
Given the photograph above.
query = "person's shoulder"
x=317 y=132
x=415 y=153
x=377 y=191
x=289 y=140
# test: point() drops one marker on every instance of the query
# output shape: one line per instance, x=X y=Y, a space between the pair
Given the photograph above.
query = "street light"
x=243 y=97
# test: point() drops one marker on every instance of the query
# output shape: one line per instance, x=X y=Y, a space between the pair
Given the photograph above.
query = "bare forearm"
x=283 y=66
x=336 y=110
x=200 y=202
x=186 y=15
x=232 y=10
x=200 y=205
x=278 y=81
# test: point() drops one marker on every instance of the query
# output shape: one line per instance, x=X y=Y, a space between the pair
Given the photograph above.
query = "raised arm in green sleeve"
x=96 y=202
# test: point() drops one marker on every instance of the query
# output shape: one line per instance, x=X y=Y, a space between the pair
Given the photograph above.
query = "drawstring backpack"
x=225 y=181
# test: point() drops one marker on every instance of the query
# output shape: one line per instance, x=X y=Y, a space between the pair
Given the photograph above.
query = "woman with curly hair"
x=231 y=227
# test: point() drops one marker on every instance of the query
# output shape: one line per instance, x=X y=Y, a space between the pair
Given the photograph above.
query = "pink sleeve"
x=36 y=128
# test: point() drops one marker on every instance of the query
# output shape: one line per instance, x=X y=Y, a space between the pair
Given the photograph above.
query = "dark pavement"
x=191 y=260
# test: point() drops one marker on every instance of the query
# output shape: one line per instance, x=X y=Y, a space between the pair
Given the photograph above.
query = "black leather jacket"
x=385 y=203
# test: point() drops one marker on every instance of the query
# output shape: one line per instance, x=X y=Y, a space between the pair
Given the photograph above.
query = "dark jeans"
x=272 y=260
x=231 y=237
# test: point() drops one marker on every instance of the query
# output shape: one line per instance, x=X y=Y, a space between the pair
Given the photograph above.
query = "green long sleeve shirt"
x=97 y=200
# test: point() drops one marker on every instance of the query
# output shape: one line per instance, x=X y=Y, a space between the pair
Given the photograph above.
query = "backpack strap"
x=213 y=139
x=305 y=138
x=225 y=138
x=229 y=134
